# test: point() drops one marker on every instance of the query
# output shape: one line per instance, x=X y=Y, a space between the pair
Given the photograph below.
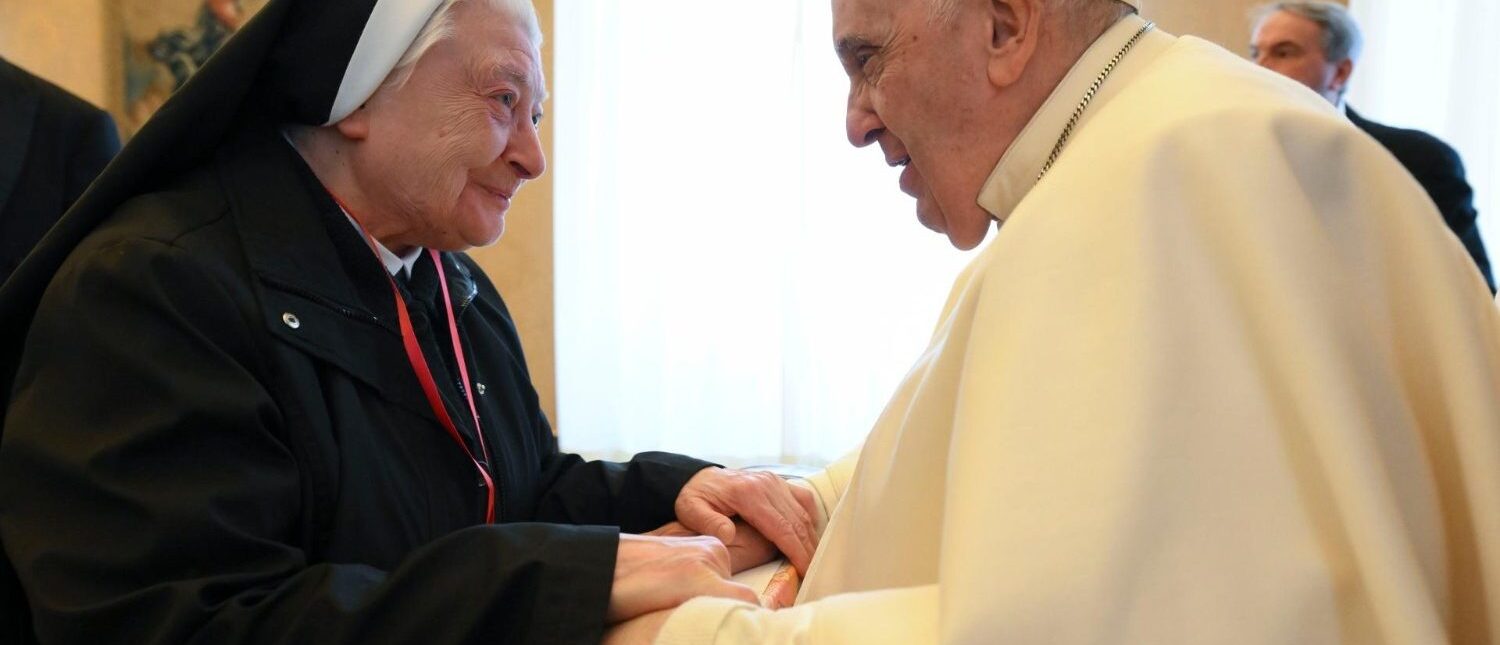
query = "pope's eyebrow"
x=847 y=45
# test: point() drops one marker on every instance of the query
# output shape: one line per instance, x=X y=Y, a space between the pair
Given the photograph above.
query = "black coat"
x=1437 y=166
x=215 y=437
x=52 y=145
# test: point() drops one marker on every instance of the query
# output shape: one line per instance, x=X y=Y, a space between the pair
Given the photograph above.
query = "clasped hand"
x=728 y=521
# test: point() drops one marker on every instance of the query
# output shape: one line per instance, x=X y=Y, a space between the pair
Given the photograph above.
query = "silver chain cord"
x=1088 y=97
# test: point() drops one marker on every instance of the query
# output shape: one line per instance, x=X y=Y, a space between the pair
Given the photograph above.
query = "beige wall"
x=1226 y=22
x=73 y=43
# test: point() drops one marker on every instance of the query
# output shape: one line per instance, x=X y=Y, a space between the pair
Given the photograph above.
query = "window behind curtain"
x=733 y=279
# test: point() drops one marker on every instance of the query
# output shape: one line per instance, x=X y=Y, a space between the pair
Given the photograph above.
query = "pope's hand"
x=781 y=512
x=654 y=573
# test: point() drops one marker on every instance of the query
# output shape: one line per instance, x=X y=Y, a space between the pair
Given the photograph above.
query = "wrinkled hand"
x=781 y=512
x=748 y=550
x=654 y=573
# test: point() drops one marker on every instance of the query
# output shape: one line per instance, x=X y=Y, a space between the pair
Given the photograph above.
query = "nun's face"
x=447 y=151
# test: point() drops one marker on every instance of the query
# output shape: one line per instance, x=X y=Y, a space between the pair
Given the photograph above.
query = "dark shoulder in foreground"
x=53 y=97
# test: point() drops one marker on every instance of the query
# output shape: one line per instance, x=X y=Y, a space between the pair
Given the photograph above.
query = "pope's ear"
x=356 y=126
x=1015 y=26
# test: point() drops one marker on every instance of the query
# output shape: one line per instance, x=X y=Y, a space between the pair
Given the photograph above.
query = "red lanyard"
x=424 y=374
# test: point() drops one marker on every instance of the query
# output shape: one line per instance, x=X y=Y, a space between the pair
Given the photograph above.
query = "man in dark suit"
x=52 y=145
x=1437 y=167
x=1317 y=44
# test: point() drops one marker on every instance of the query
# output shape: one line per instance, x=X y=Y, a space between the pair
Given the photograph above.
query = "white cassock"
x=1223 y=377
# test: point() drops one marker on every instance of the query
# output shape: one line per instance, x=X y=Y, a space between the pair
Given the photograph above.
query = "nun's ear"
x=356 y=126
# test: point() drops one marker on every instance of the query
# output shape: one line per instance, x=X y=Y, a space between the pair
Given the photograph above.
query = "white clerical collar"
x=1022 y=163
x=392 y=262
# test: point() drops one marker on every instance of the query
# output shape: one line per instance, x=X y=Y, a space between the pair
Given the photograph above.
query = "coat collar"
x=296 y=237
x=19 y=96
x=321 y=287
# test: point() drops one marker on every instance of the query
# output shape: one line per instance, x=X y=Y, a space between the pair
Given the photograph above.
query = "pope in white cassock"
x=1222 y=375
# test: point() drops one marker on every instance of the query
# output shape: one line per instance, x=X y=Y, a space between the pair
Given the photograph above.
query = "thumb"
x=702 y=517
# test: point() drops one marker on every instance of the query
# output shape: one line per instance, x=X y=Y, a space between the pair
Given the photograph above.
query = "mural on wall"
x=166 y=41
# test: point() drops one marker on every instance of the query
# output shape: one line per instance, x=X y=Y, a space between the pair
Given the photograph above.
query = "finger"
x=732 y=590
x=672 y=529
x=809 y=504
x=779 y=529
x=790 y=537
x=717 y=554
x=805 y=499
x=786 y=496
x=799 y=520
x=703 y=518
x=751 y=549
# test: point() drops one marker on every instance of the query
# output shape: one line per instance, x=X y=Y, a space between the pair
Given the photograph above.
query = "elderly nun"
x=255 y=392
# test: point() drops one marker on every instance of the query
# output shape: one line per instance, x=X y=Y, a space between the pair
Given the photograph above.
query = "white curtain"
x=1434 y=65
x=733 y=280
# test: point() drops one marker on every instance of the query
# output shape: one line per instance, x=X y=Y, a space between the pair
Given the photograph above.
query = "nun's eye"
x=507 y=99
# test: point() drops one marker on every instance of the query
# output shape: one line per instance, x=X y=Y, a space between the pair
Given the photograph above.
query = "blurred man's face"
x=916 y=87
x=1292 y=46
x=447 y=151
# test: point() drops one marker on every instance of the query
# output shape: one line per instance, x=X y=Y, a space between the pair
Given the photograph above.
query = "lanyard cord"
x=424 y=373
x=463 y=369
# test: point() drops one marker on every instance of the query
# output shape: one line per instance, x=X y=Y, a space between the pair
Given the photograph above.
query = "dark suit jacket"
x=52 y=145
x=1438 y=168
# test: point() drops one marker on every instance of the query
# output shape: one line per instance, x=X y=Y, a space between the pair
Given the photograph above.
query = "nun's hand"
x=780 y=511
x=654 y=573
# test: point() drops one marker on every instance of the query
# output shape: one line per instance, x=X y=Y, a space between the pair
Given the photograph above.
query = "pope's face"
x=1292 y=46
x=915 y=86
x=449 y=149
